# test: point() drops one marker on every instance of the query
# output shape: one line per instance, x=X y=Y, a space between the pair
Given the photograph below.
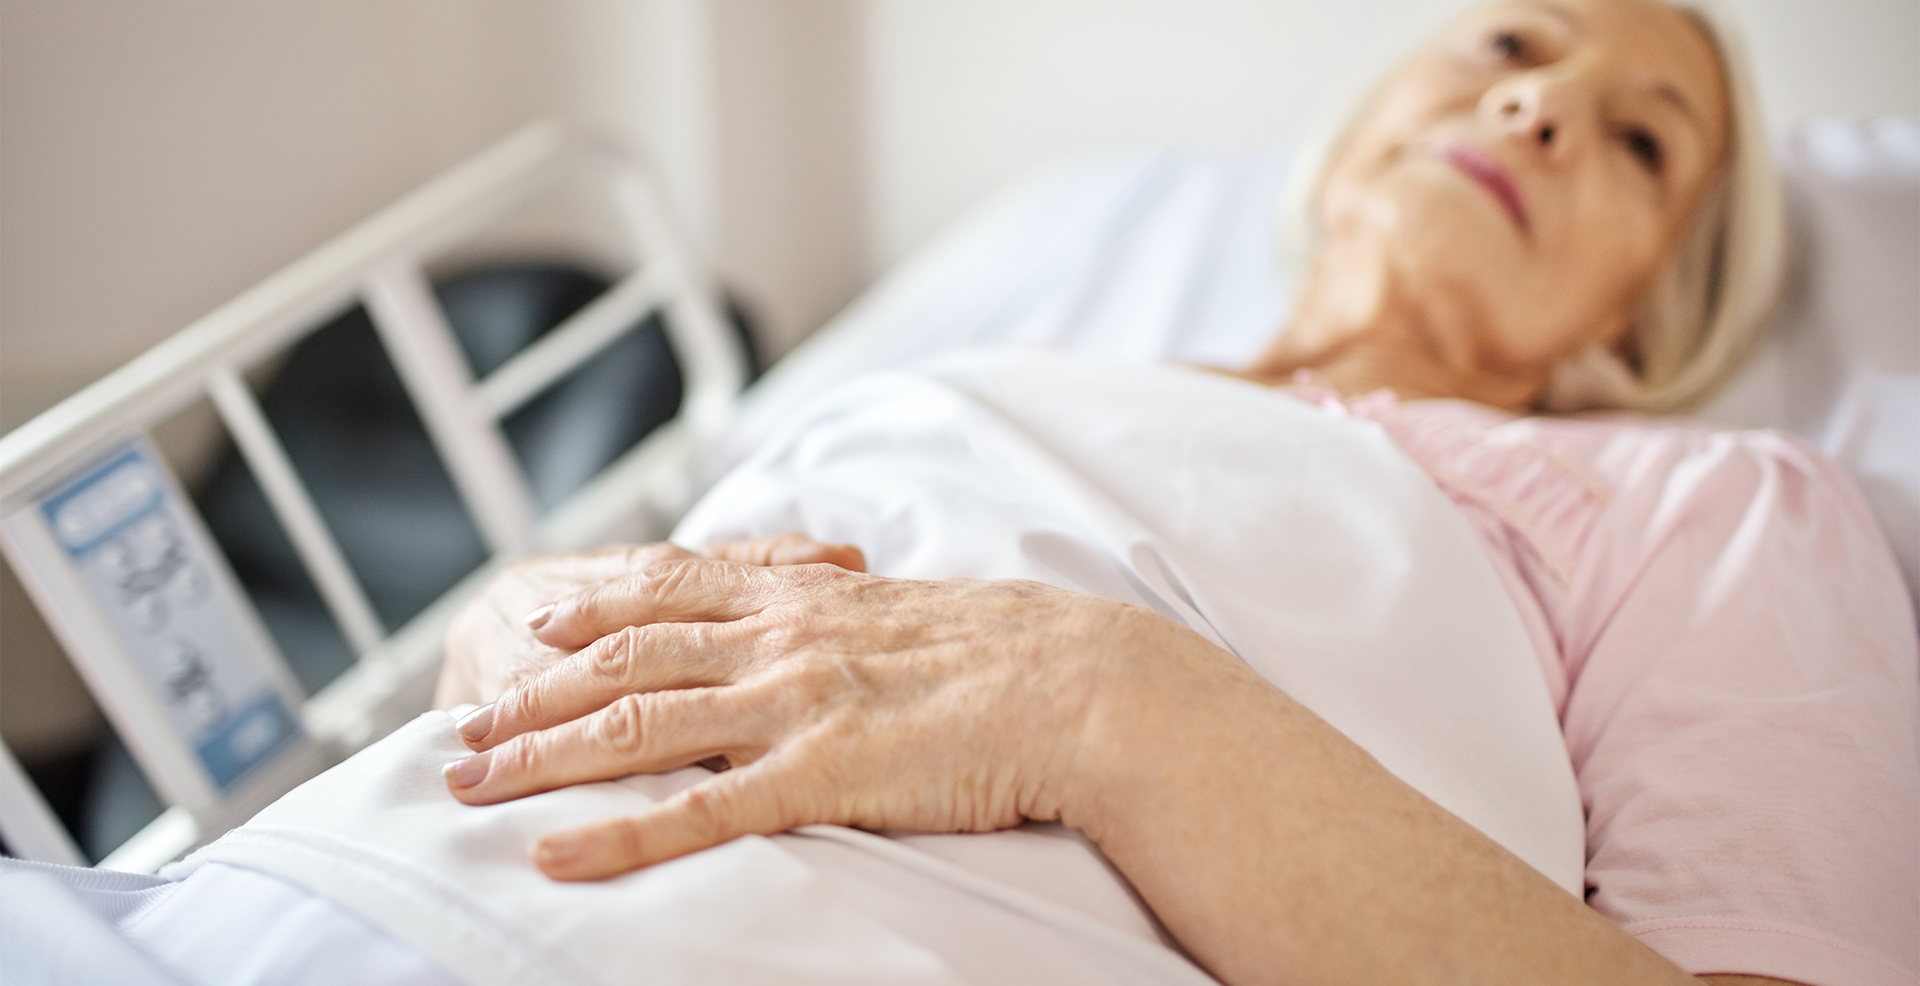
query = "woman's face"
x=1532 y=169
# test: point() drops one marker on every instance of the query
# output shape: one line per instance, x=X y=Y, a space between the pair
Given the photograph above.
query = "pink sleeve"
x=1743 y=715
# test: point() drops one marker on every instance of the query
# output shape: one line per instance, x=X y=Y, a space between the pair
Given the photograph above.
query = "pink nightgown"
x=1732 y=654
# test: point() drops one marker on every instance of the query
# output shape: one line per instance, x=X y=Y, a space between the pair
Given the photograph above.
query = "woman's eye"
x=1508 y=45
x=1645 y=148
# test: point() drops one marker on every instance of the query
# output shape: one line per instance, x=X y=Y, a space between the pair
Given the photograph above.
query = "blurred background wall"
x=966 y=93
x=159 y=156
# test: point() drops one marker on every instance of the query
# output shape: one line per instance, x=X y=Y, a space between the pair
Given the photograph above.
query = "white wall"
x=790 y=162
x=155 y=159
x=158 y=158
x=969 y=93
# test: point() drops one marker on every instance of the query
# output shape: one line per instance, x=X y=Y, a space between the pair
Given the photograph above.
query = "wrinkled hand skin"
x=958 y=705
x=489 y=646
x=838 y=697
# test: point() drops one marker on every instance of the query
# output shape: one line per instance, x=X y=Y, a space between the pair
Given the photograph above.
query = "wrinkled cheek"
x=1435 y=222
x=1618 y=284
x=1532 y=321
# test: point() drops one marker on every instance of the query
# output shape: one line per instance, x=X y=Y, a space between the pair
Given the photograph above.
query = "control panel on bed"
x=249 y=541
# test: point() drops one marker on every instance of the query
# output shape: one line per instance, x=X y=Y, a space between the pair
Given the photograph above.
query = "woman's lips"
x=1491 y=177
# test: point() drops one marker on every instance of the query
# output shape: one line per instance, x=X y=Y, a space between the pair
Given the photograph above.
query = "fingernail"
x=468 y=771
x=477 y=724
x=539 y=617
x=563 y=847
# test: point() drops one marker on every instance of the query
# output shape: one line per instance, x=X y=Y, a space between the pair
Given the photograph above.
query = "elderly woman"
x=1559 y=205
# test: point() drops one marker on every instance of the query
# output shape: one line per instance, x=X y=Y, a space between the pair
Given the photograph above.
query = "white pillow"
x=1173 y=255
x=1841 y=366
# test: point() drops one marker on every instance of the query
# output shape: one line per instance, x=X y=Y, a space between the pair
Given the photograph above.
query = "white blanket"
x=1306 y=543
x=1303 y=542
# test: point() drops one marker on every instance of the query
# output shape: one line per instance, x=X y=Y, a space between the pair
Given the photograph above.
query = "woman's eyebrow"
x=1670 y=93
x=1571 y=19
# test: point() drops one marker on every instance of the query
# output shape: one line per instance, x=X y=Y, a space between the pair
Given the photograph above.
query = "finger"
x=633 y=660
x=687 y=590
x=752 y=800
x=637 y=734
x=788 y=549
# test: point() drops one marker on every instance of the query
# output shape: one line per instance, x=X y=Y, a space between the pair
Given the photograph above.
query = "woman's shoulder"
x=1741 y=658
x=1616 y=449
x=1570 y=484
x=1622 y=445
x=1659 y=473
x=1598 y=497
x=1698 y=519
x=1663 y=479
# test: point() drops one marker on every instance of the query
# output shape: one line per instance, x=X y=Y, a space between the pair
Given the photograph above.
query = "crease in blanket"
x=49 y=935
x=380 y=835
x=1308 y=544
x=1363 y=594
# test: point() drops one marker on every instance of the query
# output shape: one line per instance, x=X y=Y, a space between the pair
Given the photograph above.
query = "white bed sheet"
x=1366 y=596
x=1173 y=256
x=1306 y=543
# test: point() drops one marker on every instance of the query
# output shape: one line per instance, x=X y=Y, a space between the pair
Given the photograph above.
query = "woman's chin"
x=1428 y=208
x=1448 y=242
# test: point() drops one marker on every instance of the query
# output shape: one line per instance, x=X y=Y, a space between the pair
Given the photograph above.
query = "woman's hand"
x=836 y=697
x=1262 y=838
x=489 y=645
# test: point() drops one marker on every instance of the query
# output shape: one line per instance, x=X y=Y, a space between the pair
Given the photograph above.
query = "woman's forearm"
x=1277 y=850
x=1272 y=847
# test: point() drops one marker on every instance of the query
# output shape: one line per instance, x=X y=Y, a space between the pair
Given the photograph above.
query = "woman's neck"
x=1366 y=364
x=1360 y=334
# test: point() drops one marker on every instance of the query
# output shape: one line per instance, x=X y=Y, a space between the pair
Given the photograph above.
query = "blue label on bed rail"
x=103 y=502
x=250 y=734
x=141 y=556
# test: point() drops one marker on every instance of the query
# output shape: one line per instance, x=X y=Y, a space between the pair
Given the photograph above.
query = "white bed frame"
x=379 y=264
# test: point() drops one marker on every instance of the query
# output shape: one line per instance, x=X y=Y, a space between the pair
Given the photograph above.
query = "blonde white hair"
x=1704 y=310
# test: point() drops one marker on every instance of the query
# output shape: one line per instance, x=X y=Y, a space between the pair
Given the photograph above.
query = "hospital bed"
x=1159 y=255
x=127 y=575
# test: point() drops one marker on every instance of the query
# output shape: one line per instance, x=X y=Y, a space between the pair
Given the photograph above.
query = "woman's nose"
x=1534 y=107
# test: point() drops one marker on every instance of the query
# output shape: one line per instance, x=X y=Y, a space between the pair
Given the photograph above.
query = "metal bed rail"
x=379 y=264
